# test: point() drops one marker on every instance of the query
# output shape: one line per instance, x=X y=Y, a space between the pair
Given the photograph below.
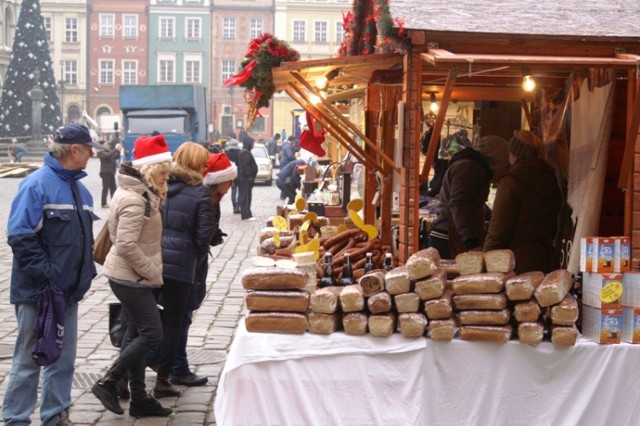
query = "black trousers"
x=245 y=188
x=175 y=295
x=108 y=186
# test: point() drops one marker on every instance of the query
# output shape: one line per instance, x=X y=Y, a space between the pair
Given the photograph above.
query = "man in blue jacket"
x=289 y=180
x=50 y=231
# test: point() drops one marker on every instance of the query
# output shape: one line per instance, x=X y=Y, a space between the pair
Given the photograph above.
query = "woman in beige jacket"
x=134 y=269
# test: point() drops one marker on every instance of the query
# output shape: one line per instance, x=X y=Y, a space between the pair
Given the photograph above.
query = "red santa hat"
x=150 y=150
x=312 y=136
x=219 y=169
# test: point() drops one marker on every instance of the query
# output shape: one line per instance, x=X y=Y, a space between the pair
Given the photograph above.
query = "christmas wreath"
x=264 y=53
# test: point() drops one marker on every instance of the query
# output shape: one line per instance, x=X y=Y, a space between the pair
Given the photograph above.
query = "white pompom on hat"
x=150 y=150
x=219 y=169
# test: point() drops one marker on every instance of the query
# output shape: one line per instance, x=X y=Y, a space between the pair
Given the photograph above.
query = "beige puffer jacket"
x=136 y=254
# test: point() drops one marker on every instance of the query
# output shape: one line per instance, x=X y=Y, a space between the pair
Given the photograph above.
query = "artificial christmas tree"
x=30 y=54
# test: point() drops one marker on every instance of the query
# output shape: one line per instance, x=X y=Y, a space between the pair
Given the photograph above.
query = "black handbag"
x=49 y=325
x=117 y=324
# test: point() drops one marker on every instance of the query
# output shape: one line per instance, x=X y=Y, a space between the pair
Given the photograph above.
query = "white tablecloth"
x=273 y=379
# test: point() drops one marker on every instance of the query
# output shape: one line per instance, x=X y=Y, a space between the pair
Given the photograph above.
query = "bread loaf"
x=486 y=317
x=422 y=264
x=380 y=303
x=276 y=322
x=382 y=325
x=480 y=301
x=528 y=311
x=450 y=267
x=564 y=335
x=324 y=323
x=355 y=323
x=294 y=220
x=487 y=333
x=406 y=302
x=500 y=261
x=530 y=333
x=432 y=287
x=277 y=301
x=325 y=300
x=397 y=280
x=443 y=330
x=269 y=246
x=269 y=231
x=274 y=279
x=566 y=312
x=478 y=283
x=439 y=308
x=351 y=298
x=553 y=288
x=372 y=282
x=471 y=262
x=412 y=324
x=521 y=287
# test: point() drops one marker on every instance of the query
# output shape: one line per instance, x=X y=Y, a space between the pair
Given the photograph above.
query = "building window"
x=167 y=27
x=106 y=71
x=71 y=30
x=192 y=70
x=129 y=72
x=47 y=27
x=320 y=34
x=70 y=72
x=166 y=70
x=299 y=30
x=107 y=26
x=193 y=29
x=228 y=69
x=130 y=26
x=258 y=125
x=229 y=28
x=339 y=32
x=256 y=28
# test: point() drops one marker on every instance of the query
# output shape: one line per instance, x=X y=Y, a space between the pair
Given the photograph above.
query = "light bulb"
x=528 y=84
x=434 y=107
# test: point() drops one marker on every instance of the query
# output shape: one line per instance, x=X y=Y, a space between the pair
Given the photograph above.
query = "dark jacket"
x=525 y=214
x=187 y=225
x=108 y=159
x=247 y=166
x=290 y=171
x=461 y=213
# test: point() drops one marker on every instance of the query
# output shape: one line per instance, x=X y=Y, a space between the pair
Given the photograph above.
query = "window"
x=228 y=69
x=129 y=72
x=299 y=30
x=71 y=30
x=106 y=71
x=339 y=32
x=70 y=72
x=192 y=70
x=258 y=125
x=193 y=29
x=320 y=34
x=229 y=28
x=106 y=25
x=167 y=27
x=256 y=28
x=166 y=70
x=47 y=27
x=130 y=26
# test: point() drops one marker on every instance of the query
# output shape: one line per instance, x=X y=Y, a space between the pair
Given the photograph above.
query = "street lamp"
x=61 y=85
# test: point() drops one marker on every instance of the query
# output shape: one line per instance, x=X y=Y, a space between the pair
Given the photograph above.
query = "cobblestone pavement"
x=211 y=333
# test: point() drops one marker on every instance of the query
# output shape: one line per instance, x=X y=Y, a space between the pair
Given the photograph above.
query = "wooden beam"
x=632 y=136
x=527 y=112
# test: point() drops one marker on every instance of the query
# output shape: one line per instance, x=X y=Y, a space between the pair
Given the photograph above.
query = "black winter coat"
x=247 y=166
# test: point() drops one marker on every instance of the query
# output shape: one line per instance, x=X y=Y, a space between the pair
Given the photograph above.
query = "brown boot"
x=164 y=388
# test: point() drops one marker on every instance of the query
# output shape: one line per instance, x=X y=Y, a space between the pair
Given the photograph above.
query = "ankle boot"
x=164 y=388
x=148 y=407
x=105 y=390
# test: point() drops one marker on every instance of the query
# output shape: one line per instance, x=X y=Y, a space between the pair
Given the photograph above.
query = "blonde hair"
x=149 y=171
x=191 y=155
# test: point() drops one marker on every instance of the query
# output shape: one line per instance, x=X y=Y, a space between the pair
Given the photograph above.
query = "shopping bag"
x=49 y=325
x=102 y=245
x=117 y=324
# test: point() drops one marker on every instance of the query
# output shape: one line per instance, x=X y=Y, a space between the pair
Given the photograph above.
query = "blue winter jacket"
x=51 y=237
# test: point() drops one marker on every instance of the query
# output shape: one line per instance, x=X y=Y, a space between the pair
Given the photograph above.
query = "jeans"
x=245 y=189
x=176 y=296
x=108 y=186
x=181 y=363
x=22 y=391
x=234 y=195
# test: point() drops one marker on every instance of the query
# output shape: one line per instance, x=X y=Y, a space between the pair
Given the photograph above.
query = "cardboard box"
x=603 y=326
x=622 y=254
x=602 y=290
x=631 y=325
x=603 y=255
x=586 y=254
x=631 y=293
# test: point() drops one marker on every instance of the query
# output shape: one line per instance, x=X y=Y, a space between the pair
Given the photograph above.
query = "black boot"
x=105 y=390
x=163 y=387
x=148 y=407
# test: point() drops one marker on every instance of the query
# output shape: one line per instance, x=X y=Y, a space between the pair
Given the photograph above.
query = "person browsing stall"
x=288 y=180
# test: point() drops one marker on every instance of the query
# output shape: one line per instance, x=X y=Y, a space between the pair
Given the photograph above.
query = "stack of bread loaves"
x=276 y=300
x=526 y=310
x=561 y=307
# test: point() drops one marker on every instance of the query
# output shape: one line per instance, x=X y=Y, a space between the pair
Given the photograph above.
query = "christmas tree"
x=30 y=59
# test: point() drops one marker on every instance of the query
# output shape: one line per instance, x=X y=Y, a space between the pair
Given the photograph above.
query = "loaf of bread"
x=443 y=330
x=486 y=333
x=553 y=288
x=294 y=220
x=276 y=322
x=439 y=308
x=564 y=335
x=530 y=333
x=485 y=317
x=372 y=282
x=325 y=300
x=480 y=301
x=269 y=246
x=521 y=287
x=471 y=262
x=380 y=303
x=351 y=298
x=396 y=281
x=450 y=267
x=528 y=311
x=322 y=221
x=422 y=264
x=382 y=325
x=269 y=231
x=478 y=283
x=324 y=323
x=355 y=323
x=500 y=261
x=432 y=287
x=277 y=301
x=412 y=324
x=274 y=279
x=407 y=302
x=566 y=312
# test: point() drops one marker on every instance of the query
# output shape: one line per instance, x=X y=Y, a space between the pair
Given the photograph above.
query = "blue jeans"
x=22 y=392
